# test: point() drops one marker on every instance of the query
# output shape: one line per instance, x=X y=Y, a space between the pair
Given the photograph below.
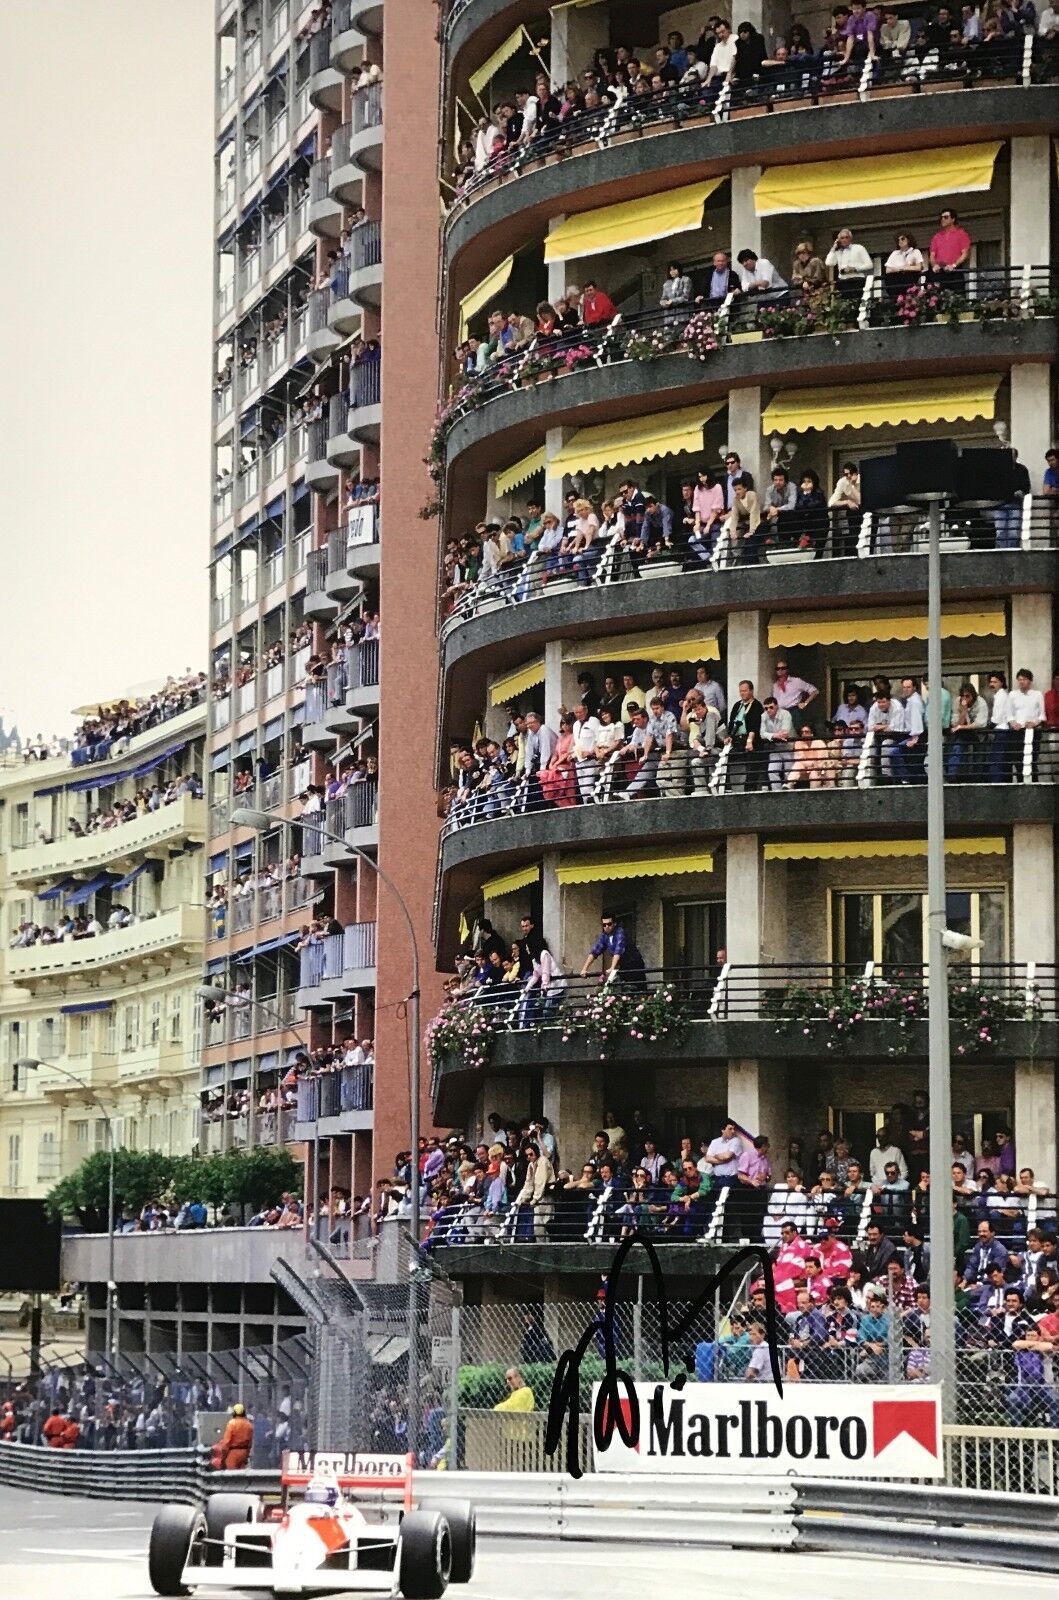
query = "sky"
x=106 y=123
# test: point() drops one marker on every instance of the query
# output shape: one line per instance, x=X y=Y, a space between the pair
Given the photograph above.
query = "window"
x=48 y=1038
x=20 y=827
x=693 y=931
x=110 y=1033
x=79 y=1035
x=176 y=1018
x=130 y=1027
x=14 y=1160
x=154 y=1022
x=889 y=927
x=47 y=1157
x=174 y=1139
x=80 y=1133
x=132 y=1130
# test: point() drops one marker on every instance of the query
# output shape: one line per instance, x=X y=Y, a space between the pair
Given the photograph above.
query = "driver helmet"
x=321 y=1494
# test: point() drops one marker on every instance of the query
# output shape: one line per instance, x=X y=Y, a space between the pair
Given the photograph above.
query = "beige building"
x=114 y=1010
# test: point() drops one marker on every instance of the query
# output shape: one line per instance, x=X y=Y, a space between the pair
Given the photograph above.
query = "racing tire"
x=173 y=1532
x=222 y=1509
x=424 y=1556
x=459 y=1514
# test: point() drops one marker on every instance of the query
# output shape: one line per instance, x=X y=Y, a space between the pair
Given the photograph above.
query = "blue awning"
x=85 y=892
x=219 y=862
x=218 y=964
x=157 y=761
x=227 y=237
x=274 y=508
x=268 y=1062
x=56 y=788
x=301 y=490
x=247 y=423
x=274 y=182
x=297 y=713
x=239 y=1071
x=130 y=877
x=246 y=744
x=244 y=852
x=86 y=1005
x=272 y=730
x=215 y=1074
x=263 y=949
x=219 y=759
x=57 y=889
x=222 y=549
x=308 y=147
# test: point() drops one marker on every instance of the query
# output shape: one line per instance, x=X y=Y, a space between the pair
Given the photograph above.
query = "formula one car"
x=342 y=1522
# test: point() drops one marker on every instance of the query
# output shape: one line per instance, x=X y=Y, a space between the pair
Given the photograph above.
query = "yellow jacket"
x=518 y=1400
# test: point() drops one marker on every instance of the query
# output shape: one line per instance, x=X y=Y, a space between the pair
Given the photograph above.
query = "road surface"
x=53 y=1548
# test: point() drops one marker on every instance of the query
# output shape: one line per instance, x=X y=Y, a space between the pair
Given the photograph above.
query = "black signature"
x=617 y=1406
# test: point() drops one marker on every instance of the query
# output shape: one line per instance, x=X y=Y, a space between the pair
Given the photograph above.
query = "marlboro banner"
x=821 y=1430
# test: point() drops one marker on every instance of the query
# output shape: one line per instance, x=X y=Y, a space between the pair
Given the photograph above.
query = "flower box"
x=782 y=558
x=750 y=336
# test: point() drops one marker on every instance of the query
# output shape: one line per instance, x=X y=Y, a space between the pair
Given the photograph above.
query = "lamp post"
x=261 y=822
x=32 y=1064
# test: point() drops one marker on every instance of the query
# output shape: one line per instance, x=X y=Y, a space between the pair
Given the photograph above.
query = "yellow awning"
x=875 y=180
x=489 y=69
x=656 y=216
x=883 y=405
x=857 y=849
x=509 y=882
x=871 y=626
x=618 y=444
x=464 y=932
x=519 y=472
x=613 y=865
x=483 y=292
x=649 y=647
x=516 y=683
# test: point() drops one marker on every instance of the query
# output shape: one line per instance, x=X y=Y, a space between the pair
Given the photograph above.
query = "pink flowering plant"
x=612 y=1014
x=464 y=1031
x=831 y=1015
x=581 y=355
x=700 y=337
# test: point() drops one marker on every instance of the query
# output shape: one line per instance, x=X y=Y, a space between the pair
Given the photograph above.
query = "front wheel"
x=459 y=1514
x=424 y=1556
x=173 y=1533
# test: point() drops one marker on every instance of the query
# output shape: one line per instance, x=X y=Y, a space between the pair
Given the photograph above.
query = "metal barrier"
x=115 y=1475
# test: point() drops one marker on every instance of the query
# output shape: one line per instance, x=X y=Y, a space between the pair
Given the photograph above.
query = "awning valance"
x=510 y=882
x=85 y=891
x=630 y=222
x=130 y=877
x=489 y=69
x=483 y=292
x=619 y=444
x=857 y=849
x=875 y=180
x=515 y=683
x=519 y=472
x=612 y=866
x=873 y=627
x=83 y=1006
x=681 y=646
x=885 y=405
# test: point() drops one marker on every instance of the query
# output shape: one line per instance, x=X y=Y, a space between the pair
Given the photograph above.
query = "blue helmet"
x=321 y=1494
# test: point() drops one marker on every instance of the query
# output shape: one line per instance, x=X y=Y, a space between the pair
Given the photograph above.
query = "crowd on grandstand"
x=103 y=734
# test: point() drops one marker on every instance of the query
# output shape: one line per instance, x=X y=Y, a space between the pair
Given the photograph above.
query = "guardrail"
x=181 y=1475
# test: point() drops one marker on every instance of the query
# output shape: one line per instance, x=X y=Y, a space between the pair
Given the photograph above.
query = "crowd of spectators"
x=299 y=638
x=105 y=733
x=144 y=801
x=622 y=742
x=726 y=67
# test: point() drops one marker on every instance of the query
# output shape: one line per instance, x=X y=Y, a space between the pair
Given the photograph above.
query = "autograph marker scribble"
x=617 y=1405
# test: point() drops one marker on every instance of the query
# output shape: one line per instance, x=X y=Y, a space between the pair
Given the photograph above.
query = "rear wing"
x=354 y=1470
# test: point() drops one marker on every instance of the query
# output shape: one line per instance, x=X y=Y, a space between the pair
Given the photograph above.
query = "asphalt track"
x=53 y=1548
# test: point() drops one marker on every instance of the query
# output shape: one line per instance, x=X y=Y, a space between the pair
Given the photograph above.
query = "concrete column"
x=758 y=1100
x=577 y=33
x=744 y=431
x=774 y=902
x=1035 y=1119
x=747 y=652
x=746 y=224
x=573 y=1103
x=1032 y=419
x=1033 y=891
x=553 y=682
x=743 y=895
x=554 y=440
x=557 y=270
x=1032 y=643
x=551 y=904
x=1029 y=236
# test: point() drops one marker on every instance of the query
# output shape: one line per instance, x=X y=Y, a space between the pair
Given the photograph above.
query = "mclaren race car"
x=342 y=1522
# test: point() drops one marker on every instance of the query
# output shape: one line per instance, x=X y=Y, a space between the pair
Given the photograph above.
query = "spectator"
x=873 y=1339
x=950 y=251
x=850 y=263
x=520 y=1395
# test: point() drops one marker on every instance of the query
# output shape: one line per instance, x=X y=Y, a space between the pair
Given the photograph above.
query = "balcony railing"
x=316 y=571
x=341 y=12
x=315 y=702
x=318 y=430
x=247 y=589
x=246 y=698
x=358 y=947
x=348 y=1089
x=367 y=107
x=277 y=240
x=364 y=245
x=222 y=711
x=825 y=534
x=319 y=302
x=336 y=683
x=226 y=90
x=222 y=501
x=279 y=22
x=365 y=384
x=168 y=930
x=337 y=547
x=319 y=53
x=225 y=297
x=362 y=664
x=251 y=55
x=221 y=609
x=226 y=193
x=974 y=756
x=337 y=416
x=798 y=84
x=251 y=161
x=696 y=331
x=320 y=962
x=319 y=179
x=277 y=133
x=274 y=680
x=250 y=269
x=272 y=791
x=340 y=143
x=242 y=913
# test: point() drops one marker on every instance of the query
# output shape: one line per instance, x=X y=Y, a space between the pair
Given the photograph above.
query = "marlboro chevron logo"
x=816 y=1430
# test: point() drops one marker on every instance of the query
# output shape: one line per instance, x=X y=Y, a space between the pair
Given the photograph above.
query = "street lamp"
x=31 y=1064
x=262 y=822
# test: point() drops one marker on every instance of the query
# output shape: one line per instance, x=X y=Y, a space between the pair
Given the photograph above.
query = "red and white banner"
x=821 y=1430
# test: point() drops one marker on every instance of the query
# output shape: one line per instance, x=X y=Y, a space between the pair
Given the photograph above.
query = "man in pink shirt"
x=751 y=1194
x=833 y=1254
x=950 y=251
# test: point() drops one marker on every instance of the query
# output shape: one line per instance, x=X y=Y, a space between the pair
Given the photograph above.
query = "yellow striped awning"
x=630 y=222
x=516 y=683
x=519 y=472
x=489 y=69
x=875 y=180
x=483 y=292
x=613 y=865
x=883 y=405
x=681 y=646
x=857 y=849
x=619 y=444
x=509 y=882
x=872 y=627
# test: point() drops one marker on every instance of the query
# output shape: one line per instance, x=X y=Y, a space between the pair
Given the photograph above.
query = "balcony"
x=325 y=212
x=343 y=313
x=246 y=698
x=325 y=83
x=134 y=951
x=316 y=735
x=320 y=339
x=341 y=583
x=277 y=135
x=347 y=42
x=346 y=177
x=335 y=1102
x=367 y=15
x=364 y=254
x=364 y=417
x=342 y=447
x=321 y=474
x=365 y=142
x=209 y=1255
x=353 y=550
x=352 y=816
x=149 y=836
x=353 y=687
x=319 y=605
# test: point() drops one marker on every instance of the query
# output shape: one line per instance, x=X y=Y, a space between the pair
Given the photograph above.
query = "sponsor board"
x=822 y=1430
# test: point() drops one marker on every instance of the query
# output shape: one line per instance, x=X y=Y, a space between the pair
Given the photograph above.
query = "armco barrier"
x=108 y=1474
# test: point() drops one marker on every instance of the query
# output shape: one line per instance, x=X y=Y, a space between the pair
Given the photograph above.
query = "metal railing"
x=336 y=683
x=805 y=82
x=316 y=572
x=822 y=534
x=319 y=53
x=320 y=962
x=344 y=1089
x=362 y=664
x=975 y=756
x=366 y=111
x=337 y=545
x=365 y=384
x=340 y=143
x=358 y=946
x=364 y=245
x=315 y=702
x=337 y=416
x=317 y=446
x=320 y=179
x=341 y=12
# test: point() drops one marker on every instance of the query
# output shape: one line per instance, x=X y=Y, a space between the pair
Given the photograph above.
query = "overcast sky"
x=106 y=124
